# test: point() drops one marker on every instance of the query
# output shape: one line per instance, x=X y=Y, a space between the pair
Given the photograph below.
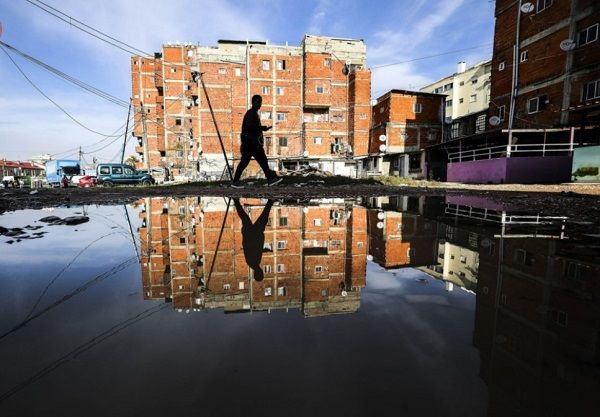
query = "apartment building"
x=549 y=51
x=316 y=96
x=467 y=98
x=404 y=124
x=314 y=258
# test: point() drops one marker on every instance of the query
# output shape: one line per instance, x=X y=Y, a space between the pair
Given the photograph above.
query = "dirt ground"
x=578 y=201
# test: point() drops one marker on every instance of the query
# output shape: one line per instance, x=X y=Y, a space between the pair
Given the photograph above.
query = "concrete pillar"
x=404 y=164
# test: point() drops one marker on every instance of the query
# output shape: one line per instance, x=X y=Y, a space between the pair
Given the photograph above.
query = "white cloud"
x=317 y=19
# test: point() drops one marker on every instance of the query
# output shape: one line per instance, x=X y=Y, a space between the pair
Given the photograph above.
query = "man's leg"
x=261 y=158
x=244 y=161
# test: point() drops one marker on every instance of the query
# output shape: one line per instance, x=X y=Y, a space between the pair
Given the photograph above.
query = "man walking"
x=252 y=145
x=253 y=236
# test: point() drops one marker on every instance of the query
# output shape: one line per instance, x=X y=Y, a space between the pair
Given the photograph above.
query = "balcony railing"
x=506 y=151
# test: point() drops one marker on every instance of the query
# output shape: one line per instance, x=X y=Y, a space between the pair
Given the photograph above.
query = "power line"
x=47 y=97
x=431 y=56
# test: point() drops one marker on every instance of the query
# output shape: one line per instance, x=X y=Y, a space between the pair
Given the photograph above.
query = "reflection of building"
x=537 y=326
x=399 y=237
x=314 y=257
x=316 y=96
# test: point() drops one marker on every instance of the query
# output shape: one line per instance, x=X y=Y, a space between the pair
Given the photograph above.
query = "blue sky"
x=394 y=31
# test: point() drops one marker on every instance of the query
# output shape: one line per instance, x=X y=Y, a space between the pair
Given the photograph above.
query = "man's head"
x=256 y=101
x=258 y=273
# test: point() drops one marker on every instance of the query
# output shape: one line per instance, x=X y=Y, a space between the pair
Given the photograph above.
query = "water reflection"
x=456 y=286
x=253 y=255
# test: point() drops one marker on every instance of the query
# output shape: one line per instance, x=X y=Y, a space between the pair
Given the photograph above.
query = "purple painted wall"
x=474 y=201
x=523 y=170
x=484 y=171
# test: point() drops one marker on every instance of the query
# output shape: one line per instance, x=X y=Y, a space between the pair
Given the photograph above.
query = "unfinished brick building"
x=314 y=257
x=545 y=95
x=316 y=96
x=404 y=124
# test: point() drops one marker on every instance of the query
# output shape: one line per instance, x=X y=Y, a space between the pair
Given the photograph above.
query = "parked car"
x=87 y=181
x=116 y=174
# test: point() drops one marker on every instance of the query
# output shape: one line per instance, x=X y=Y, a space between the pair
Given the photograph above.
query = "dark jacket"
x=253 y=235
x=252 y=128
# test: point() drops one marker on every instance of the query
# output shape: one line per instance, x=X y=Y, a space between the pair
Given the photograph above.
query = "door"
x=117 y=175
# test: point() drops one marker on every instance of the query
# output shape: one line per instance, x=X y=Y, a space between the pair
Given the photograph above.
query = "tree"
x=132 y=160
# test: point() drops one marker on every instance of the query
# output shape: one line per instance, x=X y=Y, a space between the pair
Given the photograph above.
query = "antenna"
x=494 y=120
x=527 y=7
x=568 y=45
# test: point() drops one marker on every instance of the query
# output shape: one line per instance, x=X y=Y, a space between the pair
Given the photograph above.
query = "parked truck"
x=56 y=168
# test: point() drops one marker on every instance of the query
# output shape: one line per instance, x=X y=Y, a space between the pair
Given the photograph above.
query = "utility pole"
x=126 y=131
x=144 y=138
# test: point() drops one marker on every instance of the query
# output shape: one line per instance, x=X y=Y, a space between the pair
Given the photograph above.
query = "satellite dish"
x=369 y=257
x=382 y=138
x=568 y=45
x=305 y=154
x=344 y=293
x=494 y=120
x=527 y=7
x=381 y=215
x=382 y=148
x=380 y=225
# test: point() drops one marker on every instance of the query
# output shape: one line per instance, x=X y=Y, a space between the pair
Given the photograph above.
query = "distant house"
x=19 y=169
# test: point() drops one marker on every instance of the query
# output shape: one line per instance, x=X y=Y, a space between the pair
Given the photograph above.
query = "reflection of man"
x=253 y=237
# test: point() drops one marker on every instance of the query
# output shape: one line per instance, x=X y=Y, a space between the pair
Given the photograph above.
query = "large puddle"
x=379 y=306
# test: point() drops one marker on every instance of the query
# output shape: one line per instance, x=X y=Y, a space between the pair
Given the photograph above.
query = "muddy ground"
x=578 y=201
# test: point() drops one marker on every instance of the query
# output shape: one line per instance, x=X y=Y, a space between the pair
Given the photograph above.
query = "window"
x=448 y=87
x=266 y=115
x=281 y=64
x=461 y=83
x=182 y=240
x=560 y=317
x=588 y=35
x=463 y=259
x=104 y=170
x=501 y=112
x=327 y=62
x=337 y=118
x=173 y=69
x=318 y=268
x=268 y=291
x=318 y=140
x=281 y=291
x=280 y=268
x=117 y=170
x=523 y=257
x=241 y=285
x=238 y=72
x=501 y=66
x=359 y=244
x=414 y=162
x=323 y=293
x=267 y=269
x=226 y=287
x=438 y=90
x=432 y=136
x=265 y=65
x=543 y=5
x=363 y=116
x=461 y=100
x=320 y=89
x=317 y=222
x=281 y=116
x=279 y=91
x=591 y=90
x=283 y=221
x=178 y=122
x=266 y=90
x=179 y=153
x=281 y=244
x=448 y=103
x=222 y=70
x=524 y=56
x=474 y=81
x=473 y=98
x=283 y=142
x=536 y=104
x=417 y=107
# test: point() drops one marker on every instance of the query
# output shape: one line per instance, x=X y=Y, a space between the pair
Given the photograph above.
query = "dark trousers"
x=252 y=149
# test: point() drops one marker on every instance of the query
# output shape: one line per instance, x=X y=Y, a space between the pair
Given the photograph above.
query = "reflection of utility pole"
x=131 y=231
x=144 y=137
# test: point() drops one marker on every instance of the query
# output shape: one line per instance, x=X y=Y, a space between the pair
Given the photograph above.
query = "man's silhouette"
x=253 y=237
x=252 y=145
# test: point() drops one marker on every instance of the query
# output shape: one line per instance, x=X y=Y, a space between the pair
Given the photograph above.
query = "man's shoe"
x=237 y=184
x=274 y=181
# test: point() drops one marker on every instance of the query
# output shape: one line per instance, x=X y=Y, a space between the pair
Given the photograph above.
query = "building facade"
x=189 y=99
x=404 y=124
